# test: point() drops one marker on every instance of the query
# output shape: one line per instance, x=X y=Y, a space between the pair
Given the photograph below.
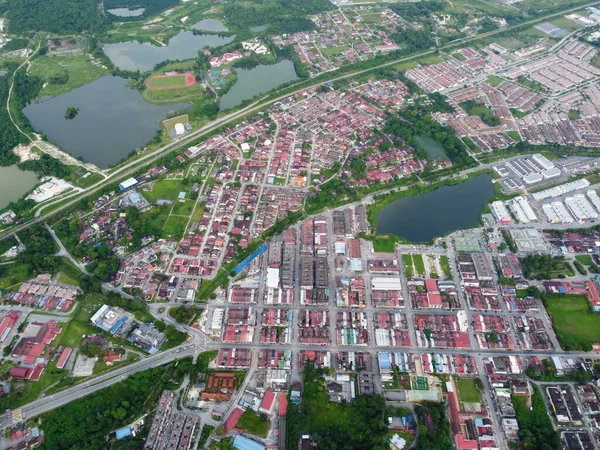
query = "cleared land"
x=576 y=326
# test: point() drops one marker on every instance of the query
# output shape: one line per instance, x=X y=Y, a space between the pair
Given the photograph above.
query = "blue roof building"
x=243 y=443
x=123 y=433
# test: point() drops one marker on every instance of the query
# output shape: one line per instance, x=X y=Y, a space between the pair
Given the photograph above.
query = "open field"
x=182 y=208
x=164 y=190
x=576 y=326
x=79 y=71
x=467 y=390
x=175 y=226
x=586 y=260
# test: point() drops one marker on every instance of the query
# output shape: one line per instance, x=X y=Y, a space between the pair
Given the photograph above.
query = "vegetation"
x=575 y=325
x=86 y=422
x=474 y=108
x=535 y=425
x=363 y=419
x=438 y=436
x=55 y=16
x=445 y=266
x=183 y=314
x=256 y=424
x=281 y=16
x=545 y=267
x=71 y=112
x=580 y=267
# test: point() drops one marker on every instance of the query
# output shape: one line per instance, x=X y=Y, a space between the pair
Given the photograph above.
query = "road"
x=131 y=167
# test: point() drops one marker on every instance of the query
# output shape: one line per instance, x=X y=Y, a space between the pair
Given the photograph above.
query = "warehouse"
x=128 y=184
x=386 y=284
x=501 y=213
x=557 y=213
x=594 y=199
x=562 y=189
x=523 y=210
x=581 y=209
x=542 y=161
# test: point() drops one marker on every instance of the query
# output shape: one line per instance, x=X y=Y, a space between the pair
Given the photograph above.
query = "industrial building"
x=561 y=190
x=523 y=210
x=557 y=213
x=127 y=184
x=501 y=213
x=581 y=208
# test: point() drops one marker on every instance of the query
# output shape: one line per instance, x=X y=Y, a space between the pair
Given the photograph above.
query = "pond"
x=113 y=120
x=258 y=28
x=135 y=55
x=210 y=25
x=437 y=213
x=262 y=78
x=126 y=12
x=433 y=148
x=14 y=184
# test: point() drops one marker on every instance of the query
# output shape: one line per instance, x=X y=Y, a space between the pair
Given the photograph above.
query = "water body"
x=433 y=148
x=134 y=55
x=262 y=78
x=210 y=25
x=258 y=29
x=14 y=183
x=112 y=120
x=446 y=209
x=126 y=12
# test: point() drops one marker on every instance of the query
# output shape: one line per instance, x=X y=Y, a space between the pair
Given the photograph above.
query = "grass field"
x=175 y=226
x=419 y=264
x=574 y=323
x=165 y=190
x=175 y=80
x=183 y=207
x=494 y=80
x=13 y=274
x=333 y=50
x=445 y=266
x=467 y=390
x=408 y=265
x=414 y=63
x=173 y=95
x=79 y=69
x=253 y=424
x=586 y=260
x=385 y=244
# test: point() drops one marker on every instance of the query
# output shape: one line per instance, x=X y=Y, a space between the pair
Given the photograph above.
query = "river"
x=113 y=120
x=14 y=183
x=437 y=213
x=126 y=12
x=133 y=55
x=210 y=25
x=259 y=79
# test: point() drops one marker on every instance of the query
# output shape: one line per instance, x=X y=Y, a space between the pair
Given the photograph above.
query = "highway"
x=131 y=167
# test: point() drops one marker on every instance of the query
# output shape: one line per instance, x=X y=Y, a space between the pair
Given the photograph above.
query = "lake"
x=126 y=12
x=133 y=55
x=14 y=184
x=262 y=78
x=433 y=148
x=437 y=213
x=210 y=25
x=112 y=120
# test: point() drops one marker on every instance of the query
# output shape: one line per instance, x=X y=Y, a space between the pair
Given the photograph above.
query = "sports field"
x=160 y=82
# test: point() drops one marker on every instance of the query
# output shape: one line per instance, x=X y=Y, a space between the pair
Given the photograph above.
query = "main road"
x=131 y=167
